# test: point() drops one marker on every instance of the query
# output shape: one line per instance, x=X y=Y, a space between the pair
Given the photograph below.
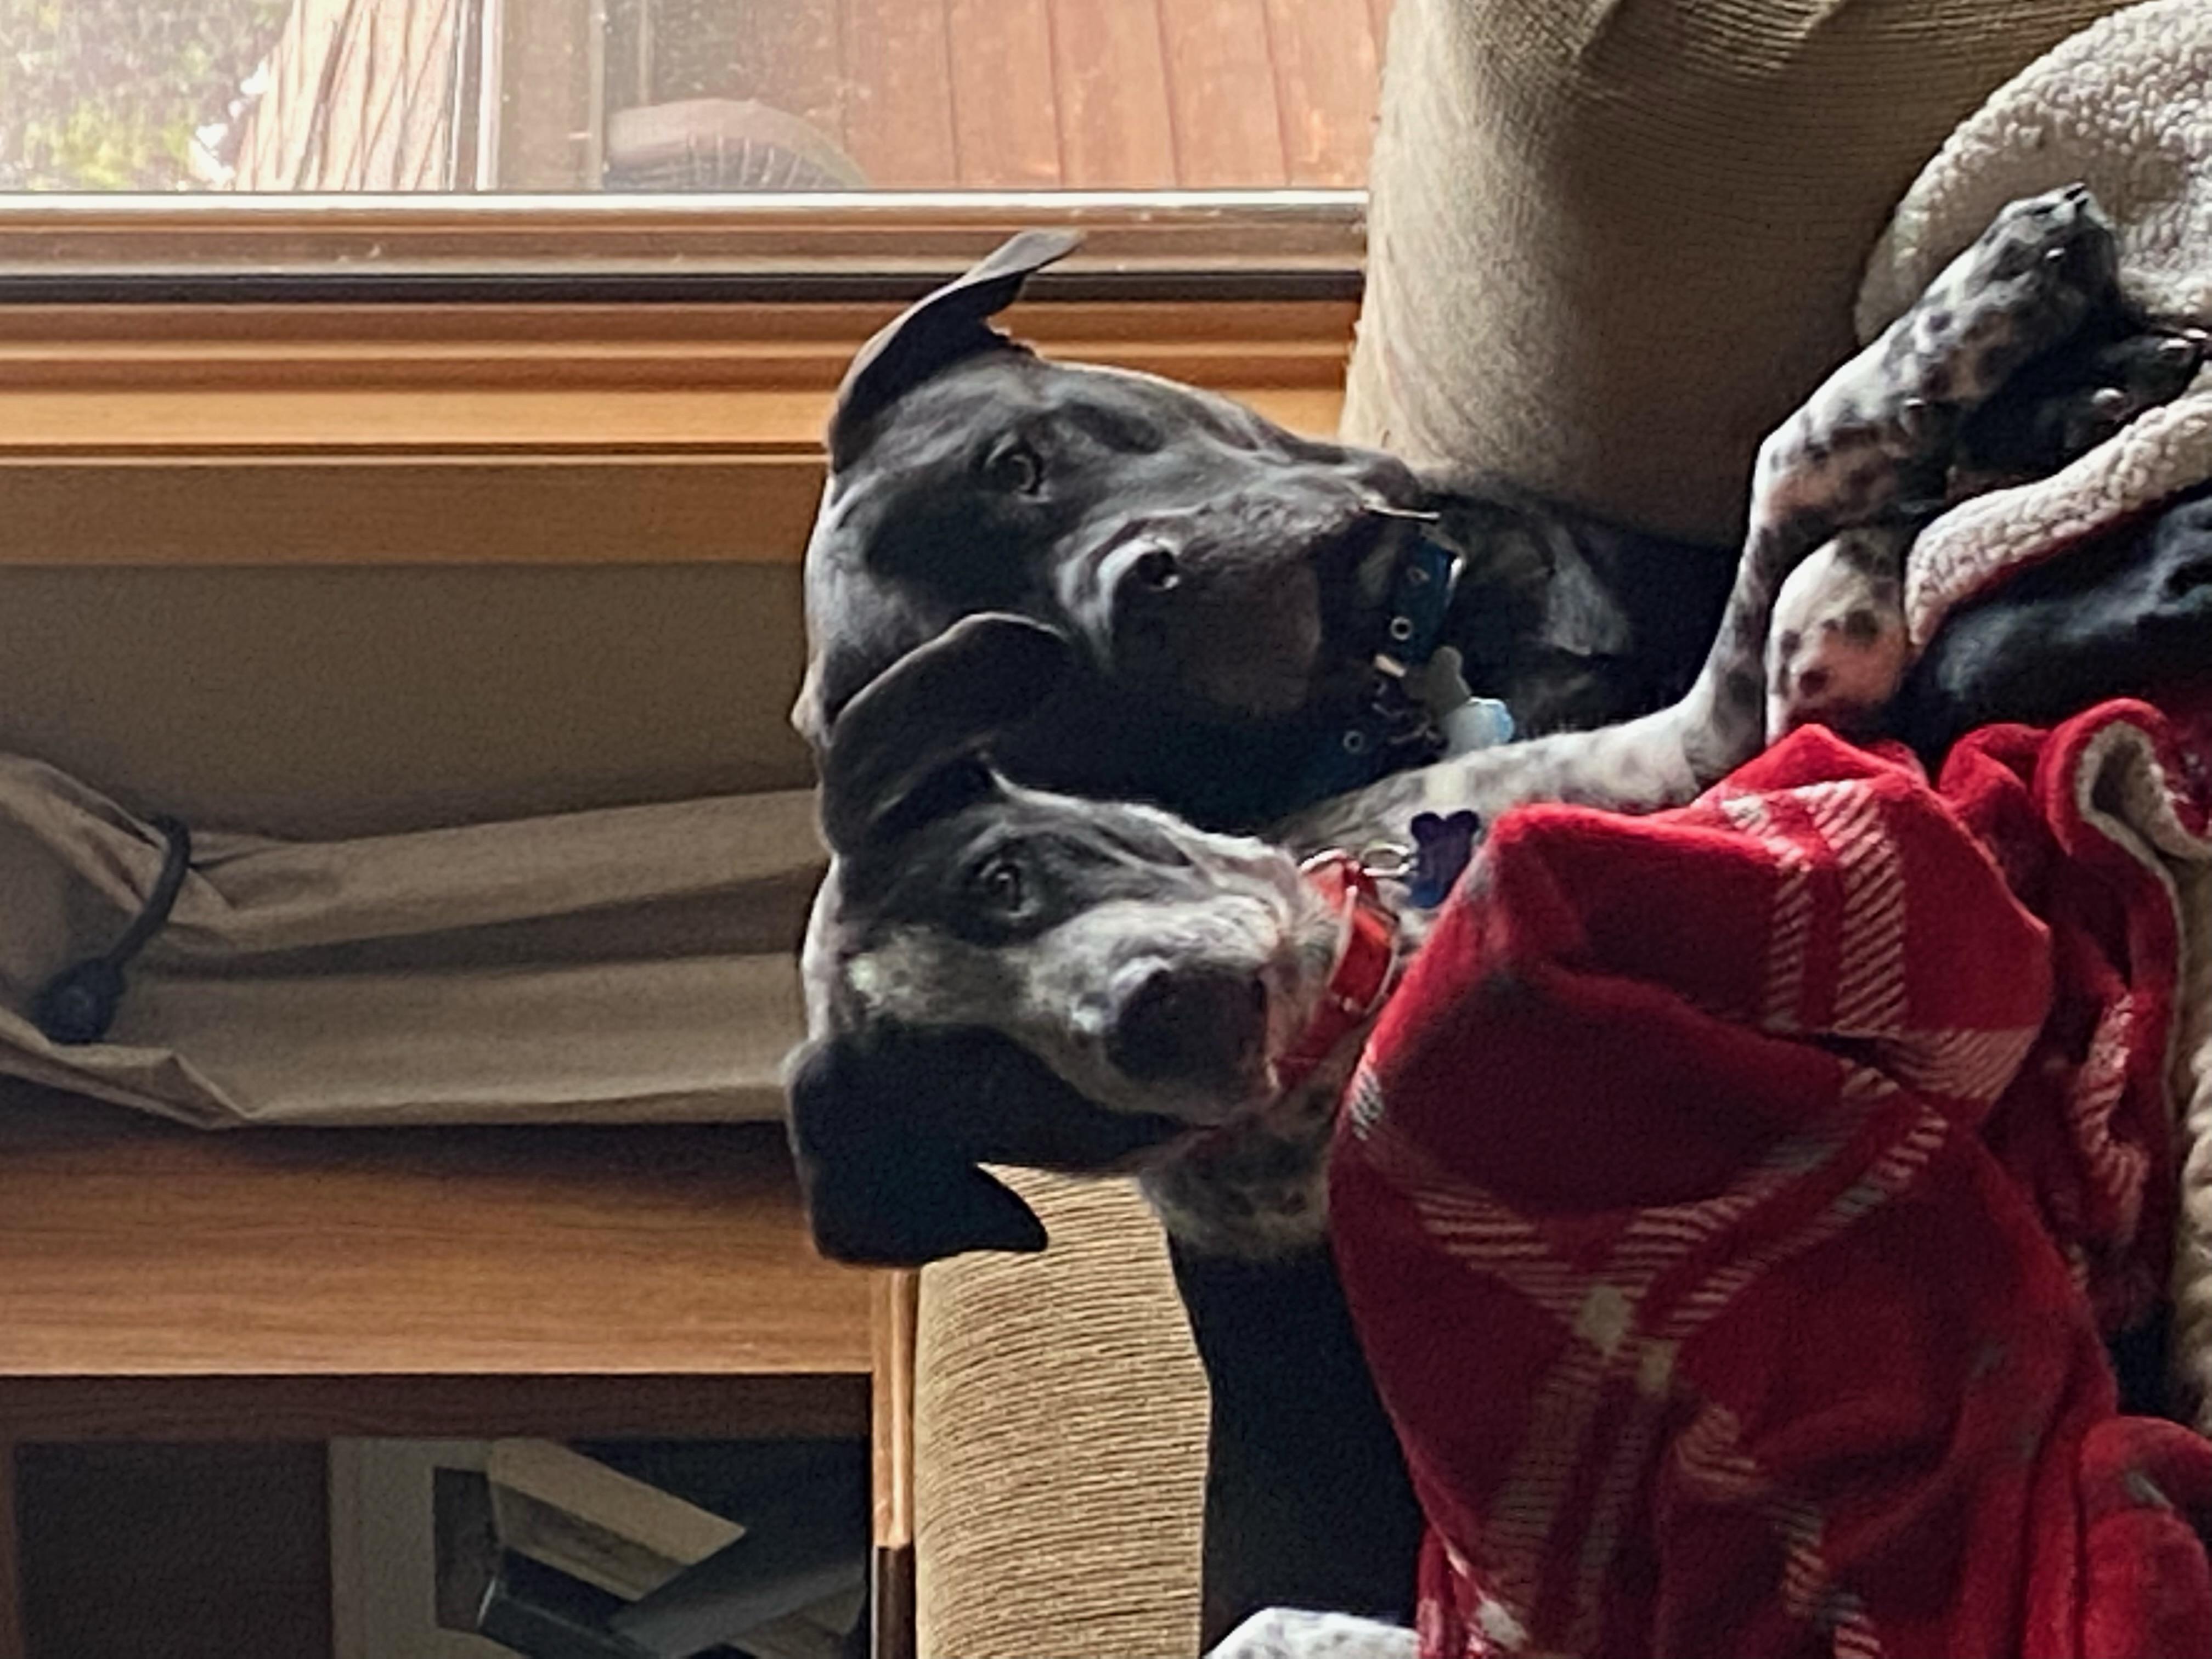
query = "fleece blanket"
x=1731 y=1200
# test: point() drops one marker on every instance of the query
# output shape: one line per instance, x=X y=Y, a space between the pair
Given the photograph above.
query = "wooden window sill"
x=262 y=435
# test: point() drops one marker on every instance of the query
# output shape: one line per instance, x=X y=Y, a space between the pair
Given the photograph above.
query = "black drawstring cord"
x=79 y=1004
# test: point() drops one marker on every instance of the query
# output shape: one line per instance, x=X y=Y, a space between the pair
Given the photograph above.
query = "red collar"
x=1366 y=957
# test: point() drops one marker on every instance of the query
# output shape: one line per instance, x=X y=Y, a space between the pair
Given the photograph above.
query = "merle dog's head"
x=1207 y=562
x=996 y=974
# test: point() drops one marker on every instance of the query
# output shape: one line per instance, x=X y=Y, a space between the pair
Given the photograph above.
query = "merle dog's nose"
x=1201 y=1027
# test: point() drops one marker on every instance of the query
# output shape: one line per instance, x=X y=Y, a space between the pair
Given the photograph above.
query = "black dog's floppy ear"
x=883 y=1186
x=937 y=332
x=934 y=707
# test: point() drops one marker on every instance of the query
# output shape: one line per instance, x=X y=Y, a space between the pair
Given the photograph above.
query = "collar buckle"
x=1394 y=727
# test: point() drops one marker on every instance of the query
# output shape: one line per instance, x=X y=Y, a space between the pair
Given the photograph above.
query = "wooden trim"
x=425 y=511
x=186 y=364
x=480 y=1405
x=896 y=1322
x=891 y=1602
x=271 y=435
x=1133 y=239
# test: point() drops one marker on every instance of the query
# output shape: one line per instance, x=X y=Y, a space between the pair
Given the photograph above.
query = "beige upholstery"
x=1059 y=1444
x=629 y=964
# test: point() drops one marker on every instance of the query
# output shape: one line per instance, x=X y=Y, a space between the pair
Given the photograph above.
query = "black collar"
x=1392 y=729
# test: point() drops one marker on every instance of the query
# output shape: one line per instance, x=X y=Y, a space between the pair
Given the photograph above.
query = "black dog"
x=2122 y=617
x=1235 y=585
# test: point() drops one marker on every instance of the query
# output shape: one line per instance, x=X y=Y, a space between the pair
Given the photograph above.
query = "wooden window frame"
x=1249 y=242
x=381 y=382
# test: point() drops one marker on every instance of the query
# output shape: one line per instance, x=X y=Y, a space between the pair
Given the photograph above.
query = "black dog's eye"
x=998 y=885
x=1015 y=469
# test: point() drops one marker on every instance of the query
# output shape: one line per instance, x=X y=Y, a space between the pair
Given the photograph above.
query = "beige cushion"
x=1614 y=241
x=628 y=964
x=1060 y=1443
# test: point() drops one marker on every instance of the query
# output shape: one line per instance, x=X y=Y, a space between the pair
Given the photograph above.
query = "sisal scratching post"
x=1059 y=1441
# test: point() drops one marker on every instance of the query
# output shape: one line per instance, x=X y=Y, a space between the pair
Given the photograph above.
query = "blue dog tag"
x=1442 y=848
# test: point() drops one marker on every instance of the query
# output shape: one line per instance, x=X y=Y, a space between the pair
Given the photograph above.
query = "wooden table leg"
x=898 y=1308
x=14 y=1645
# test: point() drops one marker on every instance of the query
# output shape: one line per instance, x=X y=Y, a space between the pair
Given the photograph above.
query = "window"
x=611 y=147
x=744 y=96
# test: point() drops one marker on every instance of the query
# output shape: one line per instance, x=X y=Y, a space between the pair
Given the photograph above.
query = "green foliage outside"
x=106 y=94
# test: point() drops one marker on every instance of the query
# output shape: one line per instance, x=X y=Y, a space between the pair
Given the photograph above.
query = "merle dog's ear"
x=883 y=1185
x=935 y=332
x=924 y=720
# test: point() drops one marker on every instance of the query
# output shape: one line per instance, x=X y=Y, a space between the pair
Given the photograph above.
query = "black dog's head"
x=1209 y=564
x=1000 y=975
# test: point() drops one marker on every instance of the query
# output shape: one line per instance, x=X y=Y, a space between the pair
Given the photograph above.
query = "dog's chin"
x=1269 y=685
x=1369 y=555
x=1861 y=722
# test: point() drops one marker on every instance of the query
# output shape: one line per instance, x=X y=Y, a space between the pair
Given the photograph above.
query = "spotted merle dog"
x=1109 y=986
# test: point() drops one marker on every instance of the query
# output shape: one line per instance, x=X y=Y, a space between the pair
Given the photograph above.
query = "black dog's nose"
x=1201 y=1027
x=1135 y=582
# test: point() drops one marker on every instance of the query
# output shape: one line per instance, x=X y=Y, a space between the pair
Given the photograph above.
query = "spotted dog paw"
x=1838 y=649
x=1283 y=1633
x=2069 y=400
x=1884 y=425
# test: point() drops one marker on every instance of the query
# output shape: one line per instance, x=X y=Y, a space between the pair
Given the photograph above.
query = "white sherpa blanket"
x=2126 y=107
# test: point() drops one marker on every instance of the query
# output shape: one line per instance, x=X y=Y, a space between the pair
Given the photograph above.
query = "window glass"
x=666 y=96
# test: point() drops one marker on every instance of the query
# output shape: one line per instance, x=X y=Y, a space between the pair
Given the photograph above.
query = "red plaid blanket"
x=1729 y=1202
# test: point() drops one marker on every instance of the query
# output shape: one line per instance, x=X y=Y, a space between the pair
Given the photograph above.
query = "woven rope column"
x=1060 y=1443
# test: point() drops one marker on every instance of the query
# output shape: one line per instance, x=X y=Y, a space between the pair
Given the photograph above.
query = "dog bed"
x=2122 y=107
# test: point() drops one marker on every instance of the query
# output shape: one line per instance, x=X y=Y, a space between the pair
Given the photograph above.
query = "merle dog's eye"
x=1014 y=468
x=997 y=883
